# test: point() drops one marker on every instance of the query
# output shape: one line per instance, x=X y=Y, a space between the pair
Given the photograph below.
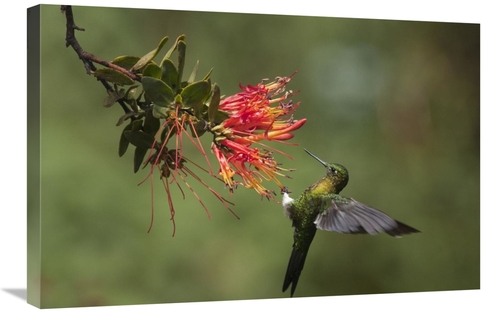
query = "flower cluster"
x=257 y=113
x=169 y=109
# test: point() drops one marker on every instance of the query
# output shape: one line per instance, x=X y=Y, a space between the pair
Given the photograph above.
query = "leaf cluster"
x=161 y=94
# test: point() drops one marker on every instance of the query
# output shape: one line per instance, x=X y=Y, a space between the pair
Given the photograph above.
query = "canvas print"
x=179 y=156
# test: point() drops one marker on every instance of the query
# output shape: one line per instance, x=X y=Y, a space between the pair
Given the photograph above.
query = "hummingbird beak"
x=318 y=159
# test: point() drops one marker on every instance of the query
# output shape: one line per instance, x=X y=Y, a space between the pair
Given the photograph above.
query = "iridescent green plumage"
x=321 y=207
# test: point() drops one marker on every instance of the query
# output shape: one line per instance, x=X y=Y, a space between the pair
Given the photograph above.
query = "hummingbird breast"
x=304 y=210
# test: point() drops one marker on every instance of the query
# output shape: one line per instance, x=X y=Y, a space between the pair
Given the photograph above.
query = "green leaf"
x=139 y=139
x=178 y=100
x=181 y=48
x=139 y=155
x=192 y=77
x=199 y=128
x=169 y=74
x=214 y=104
x=220 y=117
x=112 y=97
x=129 y=94
x=160 y=112
x=123 y=144
x=132 y=102
x=194 y=94
x=113 y=76
x=157 y=91
x=152 y=70
x=133 y=126
x=171 y=50
x=137 y=125
x=149 y=56
x=164 y=133
x=151 y=123
x=125 y=61
x=207 y=77
x=124 y=117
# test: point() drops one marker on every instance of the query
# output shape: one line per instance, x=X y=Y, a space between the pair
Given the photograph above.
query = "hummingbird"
x=321 y=207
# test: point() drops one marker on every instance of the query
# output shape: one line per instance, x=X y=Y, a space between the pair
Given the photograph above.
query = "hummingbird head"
x=336 y=175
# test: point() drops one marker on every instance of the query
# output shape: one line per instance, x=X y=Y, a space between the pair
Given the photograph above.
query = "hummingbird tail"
x=295 y=266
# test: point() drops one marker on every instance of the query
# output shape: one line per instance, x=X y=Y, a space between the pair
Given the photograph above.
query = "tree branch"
x=89 y=58
x=86 y=57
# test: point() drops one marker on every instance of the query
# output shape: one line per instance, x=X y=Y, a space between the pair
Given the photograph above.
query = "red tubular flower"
x=256 y=114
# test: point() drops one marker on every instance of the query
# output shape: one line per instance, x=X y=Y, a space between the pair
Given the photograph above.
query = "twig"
x=89 y=58
x=86 y=57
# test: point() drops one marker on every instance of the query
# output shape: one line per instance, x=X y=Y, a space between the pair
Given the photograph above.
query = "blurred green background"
x=396 y=102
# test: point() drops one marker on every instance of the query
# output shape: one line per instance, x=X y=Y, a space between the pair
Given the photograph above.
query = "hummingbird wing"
x=346 y=215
